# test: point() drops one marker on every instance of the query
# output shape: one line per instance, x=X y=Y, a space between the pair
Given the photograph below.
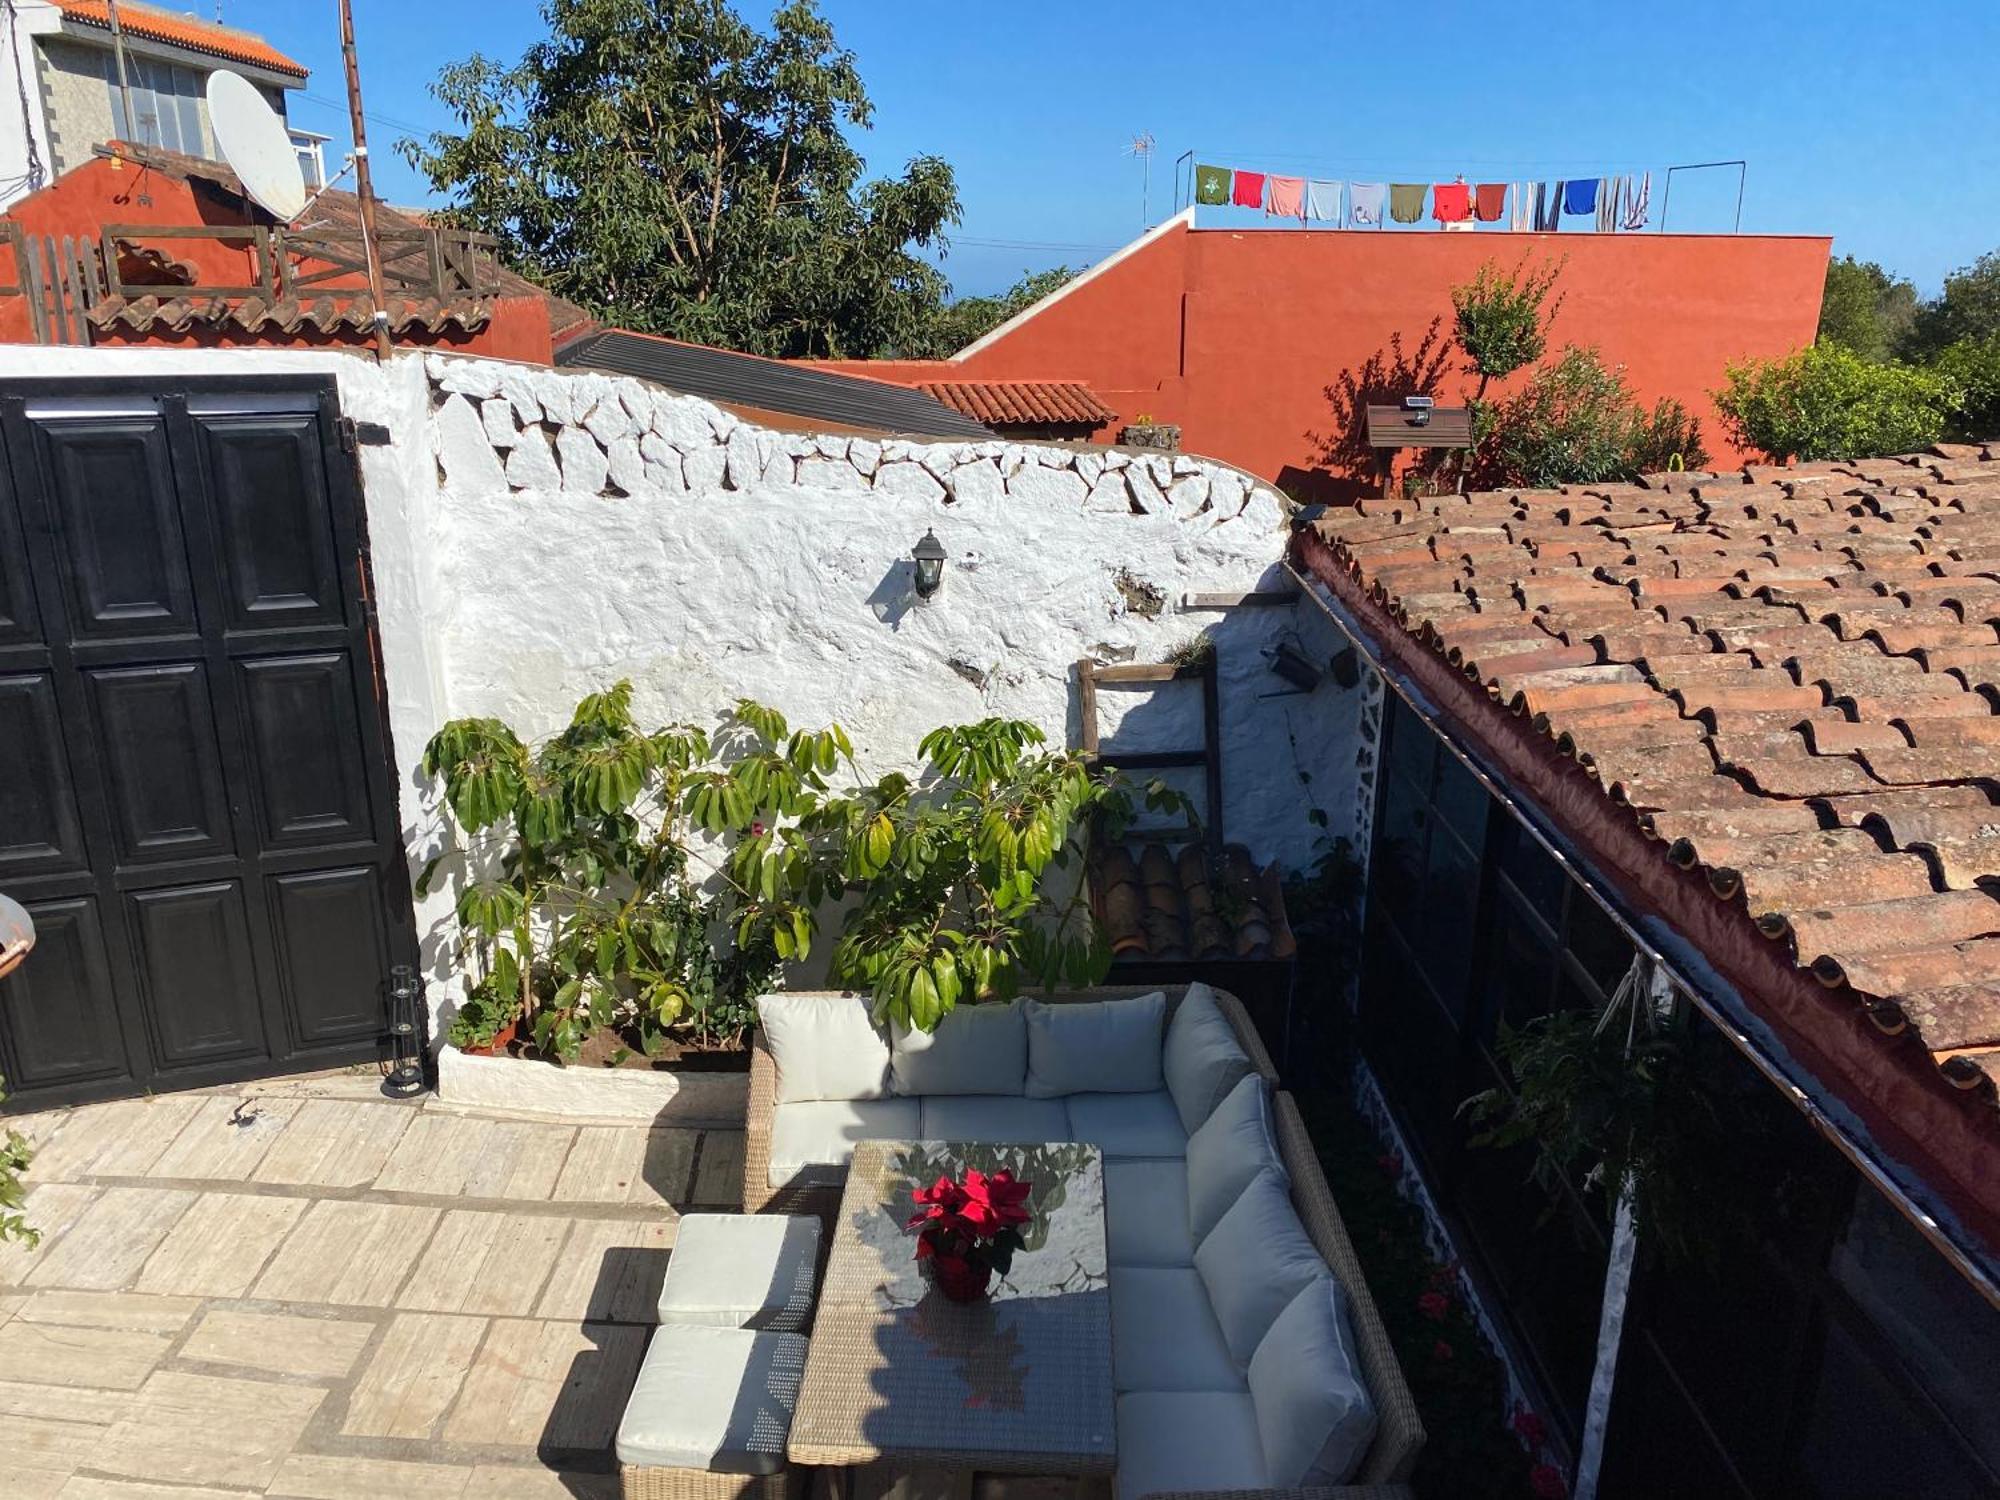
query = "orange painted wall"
x=1236 y=334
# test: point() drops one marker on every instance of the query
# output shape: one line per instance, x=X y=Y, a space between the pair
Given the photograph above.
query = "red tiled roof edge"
x=185 y=31
x=1052 y=402
x=1951 y=1140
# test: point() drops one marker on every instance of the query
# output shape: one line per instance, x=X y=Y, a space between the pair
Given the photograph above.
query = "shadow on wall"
x=1347 y=468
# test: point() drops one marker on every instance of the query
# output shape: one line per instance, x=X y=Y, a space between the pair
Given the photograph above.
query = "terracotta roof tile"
x=1788 y=676
x=1037 y=403
x=184 y=31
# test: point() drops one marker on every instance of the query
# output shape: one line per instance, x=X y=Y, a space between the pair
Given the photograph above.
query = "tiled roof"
x=1788 y=676
x=1168 y=905
x=184 y=31
x=1003 y=403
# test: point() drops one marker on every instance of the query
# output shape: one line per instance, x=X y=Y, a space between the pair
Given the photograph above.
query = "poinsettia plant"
x=968 y=1230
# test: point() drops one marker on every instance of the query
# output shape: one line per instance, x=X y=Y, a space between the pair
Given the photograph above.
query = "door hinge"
x=354 y=435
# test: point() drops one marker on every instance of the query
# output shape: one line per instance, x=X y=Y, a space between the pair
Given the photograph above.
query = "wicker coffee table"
x=899 y=1378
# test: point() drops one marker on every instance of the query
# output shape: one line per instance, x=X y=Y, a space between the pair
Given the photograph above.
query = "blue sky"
x=1877 y=125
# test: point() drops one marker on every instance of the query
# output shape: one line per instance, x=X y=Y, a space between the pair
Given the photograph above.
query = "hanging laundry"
x=1211 y=184
x=1323 y=201
x=1522 y=218
x=1406 y=201
x=1549 y=207
x=1451 y=202
x=1249 y=190
x=1579 y=195
x=1638 y=202
x=1364 y=202
x=1287 y=197
x=1490 y=199
x=1607 y=205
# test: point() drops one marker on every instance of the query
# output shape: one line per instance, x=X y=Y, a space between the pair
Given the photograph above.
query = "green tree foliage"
x=666 y=163
x=1575 y=422
x=1502 y=319
x=1865 y=309
x=1973 y=366
x=1828 y=402
x=1968 y=308
x=965 y=319
x=15 y=1154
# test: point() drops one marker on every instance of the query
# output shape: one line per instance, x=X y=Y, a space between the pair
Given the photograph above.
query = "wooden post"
x=364 y=187
x=124 y=83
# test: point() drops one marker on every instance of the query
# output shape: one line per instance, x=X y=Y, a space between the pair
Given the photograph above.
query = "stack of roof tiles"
x=1190 y=904
x=1788 y=676
x=1022 y=403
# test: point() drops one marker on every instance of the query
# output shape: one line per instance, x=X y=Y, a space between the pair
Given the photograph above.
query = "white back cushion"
x=1314 y=1414
x=1095 y=1046
x=1254 y=1262
x=1202 y=1059
x=825 y=1046
x=976 y=1049
x=1233 y=1146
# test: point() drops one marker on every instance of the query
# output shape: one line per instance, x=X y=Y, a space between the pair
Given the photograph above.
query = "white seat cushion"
x=1095 y=1046
x=1202 y=1060
x=976 y=1049
x=742 y=1271
x=1175 y=1442
x=719 y=1399
x=997 y=1119
x=825 y=1046
x=1128 y=1124
x=1313 y=1410
x=1255 y=1262
x=1145 y=1213
x=815 y=1137
x=1234 y=1147
x=1163 y=1335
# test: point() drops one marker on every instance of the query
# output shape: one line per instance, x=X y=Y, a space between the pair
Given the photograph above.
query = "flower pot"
x=959 y=1278
x=498 y=1045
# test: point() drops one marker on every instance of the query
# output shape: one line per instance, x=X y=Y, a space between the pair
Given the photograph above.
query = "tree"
x=666 y=163
x=1502 y=320
x=1973 y=365
x=1866 y=309
x=1968 y=308
x=1826 y=401
x=1575 y=422
x=965 y=319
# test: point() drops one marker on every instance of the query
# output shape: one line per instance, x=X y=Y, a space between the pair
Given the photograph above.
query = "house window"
x=166 y=104
x=312 y=161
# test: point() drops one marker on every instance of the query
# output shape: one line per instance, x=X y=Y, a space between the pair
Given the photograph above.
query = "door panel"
x=192 y=947
x=60 y=1021
x=39 y=830
x=162 y=764
x=333 y=952
x=196 y=799
x=276 y=536
x=111 y=488
x=306 y=749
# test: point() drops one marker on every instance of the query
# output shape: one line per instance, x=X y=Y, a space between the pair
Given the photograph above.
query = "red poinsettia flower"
x=1442 y=1350
x=1434 y=1305
x=993 y=1202
x=1530 y=1428
x=939 y=1206
x=1547 y=1482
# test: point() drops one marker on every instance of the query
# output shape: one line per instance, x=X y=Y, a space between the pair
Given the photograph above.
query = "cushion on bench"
x=1145 y=1213
x=1254 y=1262
x=1163 y=1335
x=815 y=1137
x=742 y=1271
x=1201 y=1059
x=1095 y=1046
x=1233 y=1147
x=825 y=1046
x=976 y=1049
x=1128 y=1124
x=1174 y=1442
x=1313 y=1410
x=715 y=1399
x=995 y=1119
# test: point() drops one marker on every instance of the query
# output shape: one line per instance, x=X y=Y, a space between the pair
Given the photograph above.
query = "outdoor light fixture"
x=406 y=1073
x=1289 y=662
x=1419 y=408
x=930 y=557
x=1346 y=667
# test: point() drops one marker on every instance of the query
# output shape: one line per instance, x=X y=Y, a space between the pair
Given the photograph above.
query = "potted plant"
x=968 y=1230
x=1144 y=432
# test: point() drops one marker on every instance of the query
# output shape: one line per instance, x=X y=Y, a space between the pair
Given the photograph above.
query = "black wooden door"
x=195 y=798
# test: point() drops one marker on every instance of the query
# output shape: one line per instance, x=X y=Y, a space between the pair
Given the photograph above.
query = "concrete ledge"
x=708 y=1100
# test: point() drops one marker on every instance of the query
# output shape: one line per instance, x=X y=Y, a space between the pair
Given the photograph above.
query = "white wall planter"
x=696 y=1099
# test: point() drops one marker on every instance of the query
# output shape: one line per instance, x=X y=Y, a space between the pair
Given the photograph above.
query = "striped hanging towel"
x=1638 y=201
x=1522 y=218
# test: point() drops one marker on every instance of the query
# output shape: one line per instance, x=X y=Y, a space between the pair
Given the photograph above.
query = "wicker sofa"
x=815 y=1187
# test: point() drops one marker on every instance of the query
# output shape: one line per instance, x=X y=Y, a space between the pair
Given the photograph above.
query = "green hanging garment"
x=1211 y=184
x=1406 y=201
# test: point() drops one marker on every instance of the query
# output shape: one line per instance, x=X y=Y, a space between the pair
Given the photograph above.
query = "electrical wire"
x=36 y=174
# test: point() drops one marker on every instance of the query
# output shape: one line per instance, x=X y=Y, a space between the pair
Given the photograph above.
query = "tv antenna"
x=1142 y=147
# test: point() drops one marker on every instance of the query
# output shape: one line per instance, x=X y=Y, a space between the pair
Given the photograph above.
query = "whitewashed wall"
x=537 y=535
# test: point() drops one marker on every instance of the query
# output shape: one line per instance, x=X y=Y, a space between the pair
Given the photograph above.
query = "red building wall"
x=1237 y=334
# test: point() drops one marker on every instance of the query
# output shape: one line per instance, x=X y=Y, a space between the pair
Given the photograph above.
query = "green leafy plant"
x=1501 y=319
x=1826 y=401
x=1973 y=366
x=15 y=1154
x=1575 y=422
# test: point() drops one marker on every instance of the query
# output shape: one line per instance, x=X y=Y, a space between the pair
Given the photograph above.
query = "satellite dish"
x=254 y=142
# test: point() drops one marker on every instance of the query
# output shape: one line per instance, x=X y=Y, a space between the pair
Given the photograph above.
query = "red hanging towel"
x=1491 y=199
x=1249 y=190
x=1451 y=202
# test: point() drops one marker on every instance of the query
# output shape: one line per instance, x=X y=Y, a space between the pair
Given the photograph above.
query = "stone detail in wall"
x=514 y=427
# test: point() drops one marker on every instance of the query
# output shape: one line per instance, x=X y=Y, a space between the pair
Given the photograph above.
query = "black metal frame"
x=59 y=656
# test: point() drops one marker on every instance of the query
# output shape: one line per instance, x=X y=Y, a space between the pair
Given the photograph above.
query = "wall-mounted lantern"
x=1292 y=665
x=930 y=559
x=1419 y=408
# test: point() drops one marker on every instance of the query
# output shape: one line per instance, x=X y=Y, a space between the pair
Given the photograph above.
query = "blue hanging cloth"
x=1580 y=195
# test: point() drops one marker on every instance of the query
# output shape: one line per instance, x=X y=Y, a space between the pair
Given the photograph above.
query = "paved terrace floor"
x=306 y=1290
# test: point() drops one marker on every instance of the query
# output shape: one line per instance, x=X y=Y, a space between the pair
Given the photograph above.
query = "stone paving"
x=306 y=1290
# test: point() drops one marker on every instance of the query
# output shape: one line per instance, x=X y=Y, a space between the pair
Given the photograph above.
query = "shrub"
x=1575 y=422
x=1825 y=401
x=1667 y=437
x=1502 y=319
x=15 y=1154
x=1973 y=366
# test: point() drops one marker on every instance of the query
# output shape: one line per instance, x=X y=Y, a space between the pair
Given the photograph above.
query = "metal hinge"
x=354 y=434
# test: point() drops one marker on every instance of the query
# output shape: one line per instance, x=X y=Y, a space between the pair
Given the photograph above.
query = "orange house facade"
x=1236 y=335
